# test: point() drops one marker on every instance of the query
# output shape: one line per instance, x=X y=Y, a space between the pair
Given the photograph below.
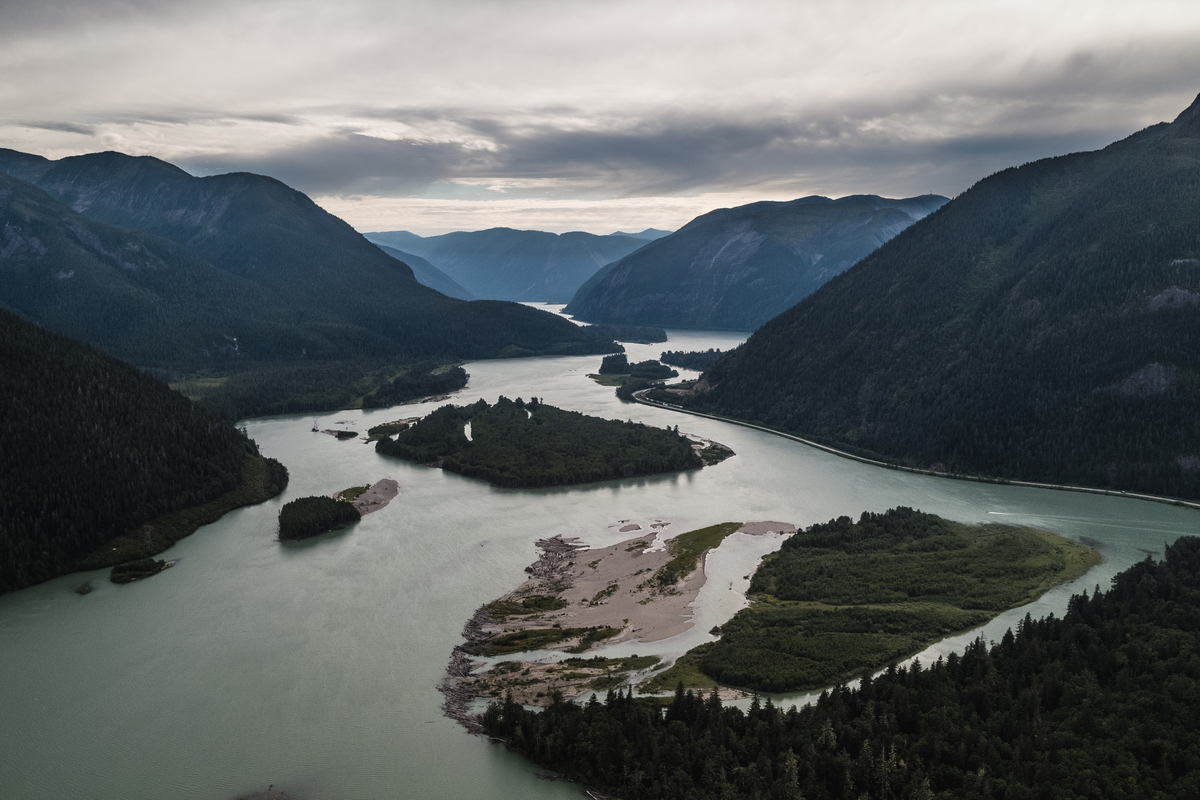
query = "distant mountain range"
x=1044 y=325
x=735 y=268
x=243 y=268
x=507 y=264
x=429 y=275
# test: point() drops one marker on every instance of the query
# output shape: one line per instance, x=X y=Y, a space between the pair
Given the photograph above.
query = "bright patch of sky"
x=598 y=115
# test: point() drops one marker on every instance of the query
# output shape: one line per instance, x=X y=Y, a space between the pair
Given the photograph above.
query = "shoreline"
x=1154 y=498
x=575 y=599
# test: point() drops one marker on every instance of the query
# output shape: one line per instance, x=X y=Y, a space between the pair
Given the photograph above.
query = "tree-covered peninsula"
x=1098 y=703
x=522 y=445
x=103 y=464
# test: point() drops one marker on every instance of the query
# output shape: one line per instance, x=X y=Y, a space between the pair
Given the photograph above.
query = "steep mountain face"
x=1042 y=326
x=735 y=268
x=507 y=264
x=260 y=230
x=94 y=448
x=139 y=297
x=429 y=275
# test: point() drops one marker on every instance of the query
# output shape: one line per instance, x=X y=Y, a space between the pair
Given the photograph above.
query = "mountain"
x=362 y=302
x=650 y=234
x=735 y=268
x=507 y=264
x=428 y=275
x=139 y=297
x=94 y=449
x=1041 y=326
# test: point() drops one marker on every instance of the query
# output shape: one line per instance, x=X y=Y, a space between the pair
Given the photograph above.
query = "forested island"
x=842 y=597
x=307 y=516
x=522 y=445
x=102 y=464
x=1098 y=703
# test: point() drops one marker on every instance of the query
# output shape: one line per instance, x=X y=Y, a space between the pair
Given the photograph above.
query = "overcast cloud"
x=591 y=115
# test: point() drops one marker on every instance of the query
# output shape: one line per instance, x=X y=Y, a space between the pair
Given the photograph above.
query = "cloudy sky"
x=590 y=115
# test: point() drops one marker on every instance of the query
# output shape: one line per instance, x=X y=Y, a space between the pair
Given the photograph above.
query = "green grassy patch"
x=533 y=604
x=844 y=597
x=541 y=638
x=687 y=549
x=353 y=493
x=605 y=593
x=686 y=669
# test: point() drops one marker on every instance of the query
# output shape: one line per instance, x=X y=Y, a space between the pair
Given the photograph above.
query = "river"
x=314 y=666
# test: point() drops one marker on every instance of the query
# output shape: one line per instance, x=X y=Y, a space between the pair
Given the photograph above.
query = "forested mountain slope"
x=94 y=448
x=137 y=296
x=507 y=264
x=1042 y=326
x=258 y=229
x=735 y=268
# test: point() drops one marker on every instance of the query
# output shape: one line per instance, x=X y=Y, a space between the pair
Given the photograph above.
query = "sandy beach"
x=378 y=496
x=604 y=588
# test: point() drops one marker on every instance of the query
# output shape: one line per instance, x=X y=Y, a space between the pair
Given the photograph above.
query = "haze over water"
x=315 y=666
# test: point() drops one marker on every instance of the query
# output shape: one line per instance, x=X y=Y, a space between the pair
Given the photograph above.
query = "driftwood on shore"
x=556 y=554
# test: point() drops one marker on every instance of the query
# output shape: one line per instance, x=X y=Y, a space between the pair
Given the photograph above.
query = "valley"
x=385 y=629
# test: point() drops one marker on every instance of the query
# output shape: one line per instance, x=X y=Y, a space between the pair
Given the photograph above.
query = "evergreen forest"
x=1098 y=703
x=697 y=360
x=95 y=449
x=522 y=445
x=1042 y=326
x=308 y=516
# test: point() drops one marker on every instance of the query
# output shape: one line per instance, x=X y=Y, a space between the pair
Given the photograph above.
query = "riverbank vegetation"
x=137 y=570
x=841 y=597
x=1098 y=703
x=519 y=445
x=320 y=386
x=699 y=360
x=308 y=516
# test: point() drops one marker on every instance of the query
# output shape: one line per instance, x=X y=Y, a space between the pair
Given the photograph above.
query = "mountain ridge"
x=735 y=268
x=1041 y=326
x=257 y=228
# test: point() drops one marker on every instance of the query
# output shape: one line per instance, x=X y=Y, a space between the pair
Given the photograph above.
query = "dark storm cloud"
x=675 y=154
x=64 y=127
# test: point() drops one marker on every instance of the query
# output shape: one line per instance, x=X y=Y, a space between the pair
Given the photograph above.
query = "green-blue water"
x=315 y=666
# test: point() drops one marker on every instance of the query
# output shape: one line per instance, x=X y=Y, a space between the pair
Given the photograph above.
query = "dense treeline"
x=94 y=448
x=419 y=380
x=640 y=334
x=841 y=597
x=616 y=364
x=1099 y=703
x=699 y=360
x=1041 y=326
x=308 y=516
x=320 y=386
x=516 y=444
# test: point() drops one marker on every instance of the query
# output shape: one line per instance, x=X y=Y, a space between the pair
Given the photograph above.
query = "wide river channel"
x=314 y=667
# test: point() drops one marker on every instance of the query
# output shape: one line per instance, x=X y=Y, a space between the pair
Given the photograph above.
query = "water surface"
x=314 y=666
